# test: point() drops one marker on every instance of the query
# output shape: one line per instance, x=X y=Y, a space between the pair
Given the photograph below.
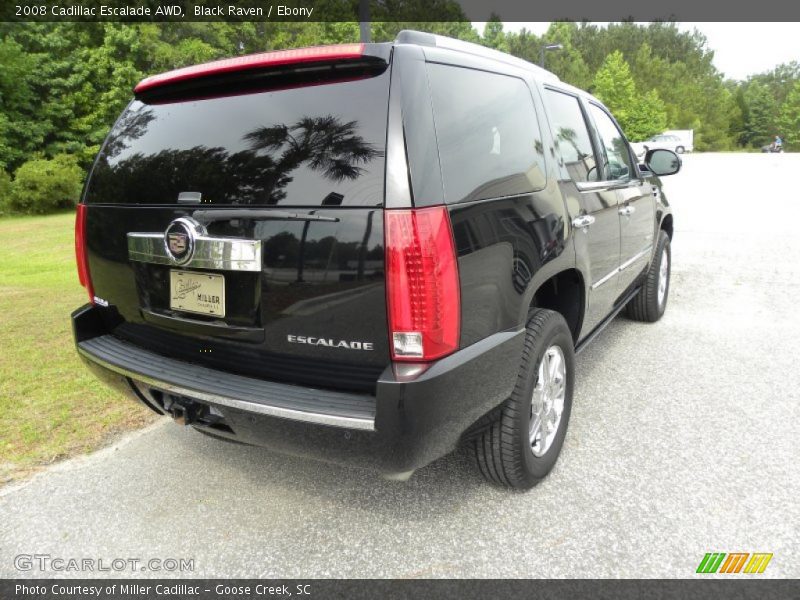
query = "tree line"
x=62 y=85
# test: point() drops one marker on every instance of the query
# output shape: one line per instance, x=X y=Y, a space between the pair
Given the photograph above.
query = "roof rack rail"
x=409 y=36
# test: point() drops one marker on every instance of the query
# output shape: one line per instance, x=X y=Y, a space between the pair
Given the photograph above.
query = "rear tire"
x=680 y=149
x=651 y=301
x=519 y=444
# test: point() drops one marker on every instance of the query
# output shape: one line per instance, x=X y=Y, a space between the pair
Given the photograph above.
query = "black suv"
x=367 y=253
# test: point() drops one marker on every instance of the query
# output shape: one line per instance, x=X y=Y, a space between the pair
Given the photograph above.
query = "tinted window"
x=308 y=146
x=571 y=135
x=616 y=158
x=488 y=134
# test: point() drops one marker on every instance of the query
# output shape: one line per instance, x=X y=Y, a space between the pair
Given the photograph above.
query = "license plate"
x=200 y=293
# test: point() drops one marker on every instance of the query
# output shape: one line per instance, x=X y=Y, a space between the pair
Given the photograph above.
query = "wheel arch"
x=666 y=225
x=565 y=293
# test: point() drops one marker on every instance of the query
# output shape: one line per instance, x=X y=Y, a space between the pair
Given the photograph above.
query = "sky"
x=740 y=49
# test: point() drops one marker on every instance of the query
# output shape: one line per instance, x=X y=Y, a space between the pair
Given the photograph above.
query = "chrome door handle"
x=627 y=210
x=582 y=221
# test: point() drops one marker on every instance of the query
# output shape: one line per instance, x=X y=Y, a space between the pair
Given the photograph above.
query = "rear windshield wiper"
x=256 y=214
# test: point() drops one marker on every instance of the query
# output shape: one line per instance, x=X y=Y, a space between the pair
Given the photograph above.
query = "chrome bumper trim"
x=218 y=253
x=264 y=409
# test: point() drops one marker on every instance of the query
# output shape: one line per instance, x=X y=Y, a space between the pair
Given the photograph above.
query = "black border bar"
x=735 y=588
x=132 y=11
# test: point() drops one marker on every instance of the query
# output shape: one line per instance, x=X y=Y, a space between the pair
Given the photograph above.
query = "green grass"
x=51 y=406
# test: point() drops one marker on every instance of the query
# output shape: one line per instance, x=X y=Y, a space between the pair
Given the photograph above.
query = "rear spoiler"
x=344 y=54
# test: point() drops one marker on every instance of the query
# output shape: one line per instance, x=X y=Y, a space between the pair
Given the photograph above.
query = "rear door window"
x=487 y=132
x=572 y=135
x=308 y=146
x=616 y=157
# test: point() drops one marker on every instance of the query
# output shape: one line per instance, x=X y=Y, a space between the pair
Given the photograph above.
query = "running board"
x=604 y=323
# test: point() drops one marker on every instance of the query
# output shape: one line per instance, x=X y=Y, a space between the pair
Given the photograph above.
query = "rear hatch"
x=275 y=175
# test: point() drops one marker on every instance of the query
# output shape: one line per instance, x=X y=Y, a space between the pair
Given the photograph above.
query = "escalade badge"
x=179 y=240
x=329 y=343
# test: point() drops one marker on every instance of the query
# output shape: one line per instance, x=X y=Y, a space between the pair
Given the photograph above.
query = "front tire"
x=651 y=301
x=520 y=443
x=680 y=150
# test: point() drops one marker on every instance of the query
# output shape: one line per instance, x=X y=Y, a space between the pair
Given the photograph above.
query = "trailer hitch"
x=184 y=411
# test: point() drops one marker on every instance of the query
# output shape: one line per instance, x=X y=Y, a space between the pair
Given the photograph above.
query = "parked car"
x=662 y=141
x=371 y=254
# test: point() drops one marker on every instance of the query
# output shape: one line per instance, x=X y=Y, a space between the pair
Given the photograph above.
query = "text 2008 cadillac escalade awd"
x=367 y=253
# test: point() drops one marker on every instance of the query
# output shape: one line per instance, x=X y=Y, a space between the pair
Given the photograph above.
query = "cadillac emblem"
x=179 y=240
x=178 y=244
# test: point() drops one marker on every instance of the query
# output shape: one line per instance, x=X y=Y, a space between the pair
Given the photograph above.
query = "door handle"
x=583 y=221
x=627 y=210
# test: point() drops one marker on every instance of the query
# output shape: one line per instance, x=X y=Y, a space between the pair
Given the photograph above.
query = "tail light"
x=422 y=291
x=81 y=257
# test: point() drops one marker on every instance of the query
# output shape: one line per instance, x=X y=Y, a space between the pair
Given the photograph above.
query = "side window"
x=488 y=134
x=616 y=159
x=572 y=135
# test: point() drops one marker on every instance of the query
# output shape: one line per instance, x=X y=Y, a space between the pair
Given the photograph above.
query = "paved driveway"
x=683 y=440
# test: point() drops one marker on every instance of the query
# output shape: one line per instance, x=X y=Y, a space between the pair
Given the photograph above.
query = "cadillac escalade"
x=371 y=254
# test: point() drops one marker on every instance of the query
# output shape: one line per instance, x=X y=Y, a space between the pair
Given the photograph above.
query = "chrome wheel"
x=547 y=403
x=663 y=277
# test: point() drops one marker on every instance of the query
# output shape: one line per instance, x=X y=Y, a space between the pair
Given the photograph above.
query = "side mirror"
x=662 y=162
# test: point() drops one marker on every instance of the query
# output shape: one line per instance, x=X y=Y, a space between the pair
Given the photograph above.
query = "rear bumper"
x=404 y=426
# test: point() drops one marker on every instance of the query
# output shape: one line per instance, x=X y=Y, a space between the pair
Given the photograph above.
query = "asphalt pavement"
x=683 y=440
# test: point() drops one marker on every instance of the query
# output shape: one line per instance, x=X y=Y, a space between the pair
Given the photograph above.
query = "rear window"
x=307 y=146
x=488 y=134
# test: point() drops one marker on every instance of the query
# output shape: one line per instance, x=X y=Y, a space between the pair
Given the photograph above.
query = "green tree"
x=647 y=118
x=614 y=85
x=567 y=62
x=20 y=133
x=493 y=35
x=789 y=119
x=759 y=127
x=639 y=115
x=5 y=192
x=780 y=80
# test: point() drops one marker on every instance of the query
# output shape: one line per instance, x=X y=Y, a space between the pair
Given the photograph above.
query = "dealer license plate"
x=200 y=293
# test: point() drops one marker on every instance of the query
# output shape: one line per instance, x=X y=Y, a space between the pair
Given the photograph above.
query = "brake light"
x=254 y=61
x=422 y=288
x=81 y=256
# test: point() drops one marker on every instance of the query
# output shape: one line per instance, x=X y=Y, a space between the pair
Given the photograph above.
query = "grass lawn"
x=51 y=406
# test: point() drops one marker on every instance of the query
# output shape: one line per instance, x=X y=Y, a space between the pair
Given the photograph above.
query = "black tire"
x=680 y=150
x=645 y=305
x=502 y=447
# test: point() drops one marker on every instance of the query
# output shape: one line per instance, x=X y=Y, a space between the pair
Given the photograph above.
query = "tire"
x=502 y=448
x=651 y=301
x=680 y=150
